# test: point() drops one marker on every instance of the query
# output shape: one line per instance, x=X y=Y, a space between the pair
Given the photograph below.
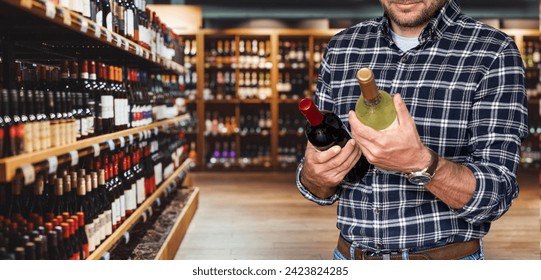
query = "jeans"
x=475 y=256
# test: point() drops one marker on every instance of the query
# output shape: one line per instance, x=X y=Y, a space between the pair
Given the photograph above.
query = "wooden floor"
x=253 y=216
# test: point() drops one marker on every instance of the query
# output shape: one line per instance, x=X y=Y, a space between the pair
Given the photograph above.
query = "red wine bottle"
x=324 y=129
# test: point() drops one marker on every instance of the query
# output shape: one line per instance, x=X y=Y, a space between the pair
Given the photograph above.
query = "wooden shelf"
x=178 y=231
x=9 y=165
x=130 y=221
x=69 y=20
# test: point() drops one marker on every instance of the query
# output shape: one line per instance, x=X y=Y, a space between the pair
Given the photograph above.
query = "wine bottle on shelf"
x=375 y=107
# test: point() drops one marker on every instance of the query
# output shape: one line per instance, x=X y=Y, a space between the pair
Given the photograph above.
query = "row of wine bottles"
x=67 y=214
x=133 y=20
x=224 y=154
x=253 y=54
x=52 y=107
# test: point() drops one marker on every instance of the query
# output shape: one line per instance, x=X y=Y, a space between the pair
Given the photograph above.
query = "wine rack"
x=42 y=33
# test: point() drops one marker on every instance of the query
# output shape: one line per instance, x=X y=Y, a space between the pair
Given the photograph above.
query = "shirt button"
x=378 y=172
x=376 y=211
x=404 y=59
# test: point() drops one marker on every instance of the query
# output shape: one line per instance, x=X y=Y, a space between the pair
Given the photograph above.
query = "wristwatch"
x=425 y=175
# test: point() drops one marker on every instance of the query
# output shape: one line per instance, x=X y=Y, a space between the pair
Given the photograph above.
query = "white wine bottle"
x=375 y=107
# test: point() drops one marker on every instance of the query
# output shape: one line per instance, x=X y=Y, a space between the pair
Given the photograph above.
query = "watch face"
x=420 y=180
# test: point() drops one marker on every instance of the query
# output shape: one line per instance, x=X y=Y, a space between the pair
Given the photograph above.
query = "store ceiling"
x=347 y=9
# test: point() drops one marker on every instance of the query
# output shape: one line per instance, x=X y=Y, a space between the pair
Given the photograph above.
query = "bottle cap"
x=366 y=80
x=310 y=111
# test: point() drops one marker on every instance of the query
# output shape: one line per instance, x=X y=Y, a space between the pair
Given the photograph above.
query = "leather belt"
x=452 y=251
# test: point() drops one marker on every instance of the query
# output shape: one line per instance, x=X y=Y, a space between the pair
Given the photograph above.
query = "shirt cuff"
x=310 y=196
x=491 y=199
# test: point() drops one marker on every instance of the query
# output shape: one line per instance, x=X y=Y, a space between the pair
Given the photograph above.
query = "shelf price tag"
x=97 y=150
x=97 y=30
x=50 y=9
x=29 y=173
x=141 y=135
x=106 y=256
x=74 y=158
x=111 y=144
x=84 y=25
x=126 y=45
x=118 y=41
x=126 y=236
x=53 y=164
x=130 y=139
x=122 y=142
x=67 y=16
x=109 y=35
x=26 y=3
x=156 y=131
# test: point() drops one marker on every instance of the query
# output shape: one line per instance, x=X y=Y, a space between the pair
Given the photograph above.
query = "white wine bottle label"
x=28 y=137
x=123 y=205
x=89 y=229
x=107 y=106
x=108 y=222
x=109 y=21
x=118 y=111
x=140 y=191
x=96 y=225
x=99 y=18
x=129 y=196
x=36 y=131
x=102 y=222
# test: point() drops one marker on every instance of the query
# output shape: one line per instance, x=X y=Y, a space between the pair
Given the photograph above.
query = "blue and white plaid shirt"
x=464 y=86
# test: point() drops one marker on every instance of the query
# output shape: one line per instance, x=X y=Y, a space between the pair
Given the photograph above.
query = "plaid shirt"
x=464 y=87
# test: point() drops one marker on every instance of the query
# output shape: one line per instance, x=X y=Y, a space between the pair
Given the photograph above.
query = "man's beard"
x=425 y=16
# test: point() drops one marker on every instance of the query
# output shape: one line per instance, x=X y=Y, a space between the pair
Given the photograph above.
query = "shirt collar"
x=435 y=28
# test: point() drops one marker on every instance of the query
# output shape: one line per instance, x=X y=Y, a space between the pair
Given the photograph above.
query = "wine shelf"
x=281 y=103
x=10 y=165
x=85 y=29
x=179 y=230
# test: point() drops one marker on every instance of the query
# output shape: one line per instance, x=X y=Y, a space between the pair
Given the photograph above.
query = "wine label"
x=84 y=25
x=97 y=149
x=102 y=223
x=129 y=18
x=140 y=191
x=29 y=173
x=158 y=171
x=53 y=164
x=97 y=229
x=122 y=206
x=108 y=222
x=50 y=9
x=107 y=107
x=28 y=137
x=99 y=17
x=36 y=130
x=67 y=16
x=115 y=212
x=111 y=144
x=97 y=31
x=74 y=155
x=118 y=111
x=118 y=41
x=89 y=230
x=109 y=21
x=90 y=125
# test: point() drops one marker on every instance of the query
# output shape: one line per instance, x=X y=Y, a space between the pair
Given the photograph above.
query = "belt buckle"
x=383 y=254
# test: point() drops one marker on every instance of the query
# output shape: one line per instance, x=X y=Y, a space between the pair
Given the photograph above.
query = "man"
x=461 y=107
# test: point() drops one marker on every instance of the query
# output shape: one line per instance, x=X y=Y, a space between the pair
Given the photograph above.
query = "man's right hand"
x=322 y=171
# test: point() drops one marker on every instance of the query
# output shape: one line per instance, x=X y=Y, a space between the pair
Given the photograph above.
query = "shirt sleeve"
x=498 y=124
x=312 y=197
